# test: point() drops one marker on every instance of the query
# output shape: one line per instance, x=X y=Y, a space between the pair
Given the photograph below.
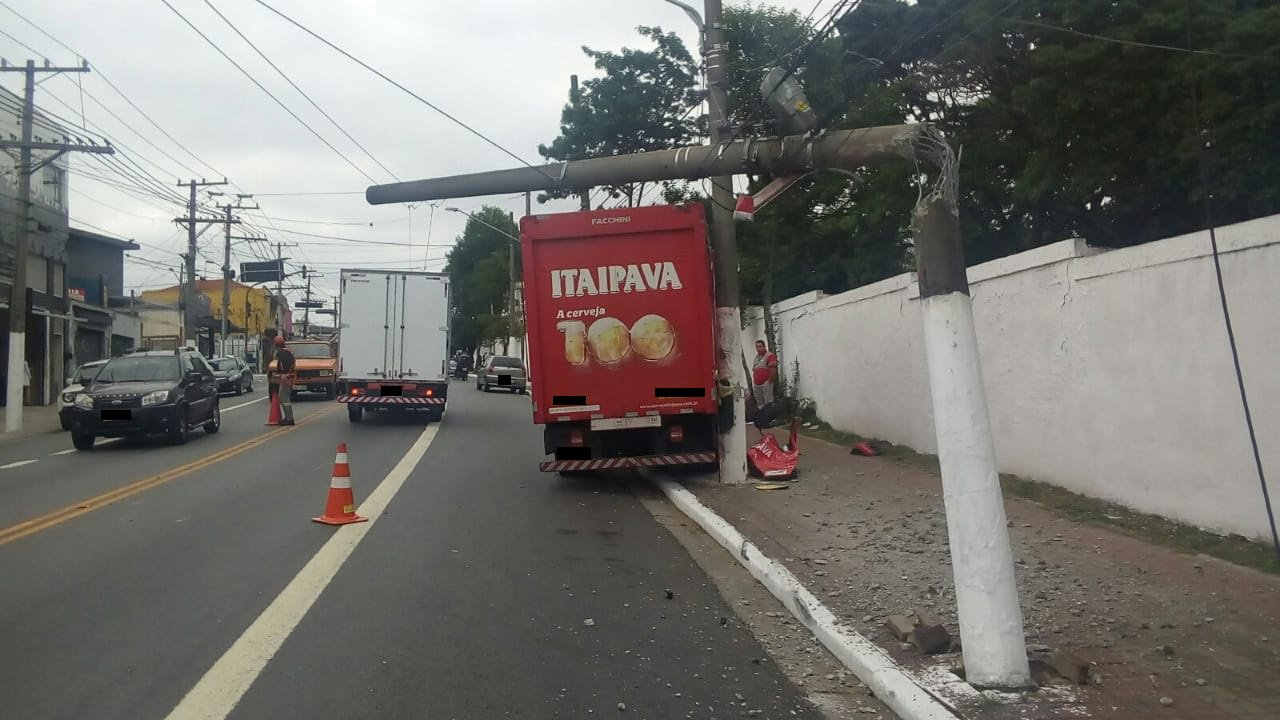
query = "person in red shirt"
x=764 y=370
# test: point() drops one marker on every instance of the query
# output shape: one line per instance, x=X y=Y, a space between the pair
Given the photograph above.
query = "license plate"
x=627 y=423
x=117 y=415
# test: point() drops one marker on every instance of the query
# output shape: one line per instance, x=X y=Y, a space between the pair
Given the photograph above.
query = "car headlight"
x=68 y=397
x=155 y=398
x=84 y=402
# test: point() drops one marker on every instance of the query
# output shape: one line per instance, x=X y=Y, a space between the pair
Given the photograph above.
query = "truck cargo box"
x=620 y=319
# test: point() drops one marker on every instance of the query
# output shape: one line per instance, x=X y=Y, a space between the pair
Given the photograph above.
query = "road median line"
x=221 y=688
x=74 y=510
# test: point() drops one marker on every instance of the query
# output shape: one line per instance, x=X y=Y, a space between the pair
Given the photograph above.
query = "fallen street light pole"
x=841 y=150
x=991 y=629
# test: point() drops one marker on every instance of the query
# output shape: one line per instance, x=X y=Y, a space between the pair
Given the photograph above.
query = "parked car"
x=75 y=384
x=317 y=367
x=234 y=376
x=158 y=392
x=503 y=372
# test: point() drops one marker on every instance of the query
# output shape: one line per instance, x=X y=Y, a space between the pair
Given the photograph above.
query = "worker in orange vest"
x=285 y=364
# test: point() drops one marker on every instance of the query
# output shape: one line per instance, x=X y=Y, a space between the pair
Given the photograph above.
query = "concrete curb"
x=873 y=666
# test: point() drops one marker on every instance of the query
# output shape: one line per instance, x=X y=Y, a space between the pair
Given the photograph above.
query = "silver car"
x=507 y=373
x=74 y=385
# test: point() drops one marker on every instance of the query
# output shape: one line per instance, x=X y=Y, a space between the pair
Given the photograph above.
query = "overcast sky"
x=501 y=66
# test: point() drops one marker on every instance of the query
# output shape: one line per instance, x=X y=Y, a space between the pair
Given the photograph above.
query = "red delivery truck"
x=620 y=320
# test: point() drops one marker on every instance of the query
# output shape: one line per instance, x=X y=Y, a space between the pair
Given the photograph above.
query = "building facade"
x=254 y=316
x=47 y=318
x=103 y=325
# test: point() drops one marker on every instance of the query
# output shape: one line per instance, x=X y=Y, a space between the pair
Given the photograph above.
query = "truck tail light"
x=676 y=433
x=355 y=391
x=430 y=392
x=577 y=438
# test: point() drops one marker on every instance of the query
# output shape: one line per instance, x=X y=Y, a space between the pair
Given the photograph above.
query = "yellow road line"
x=74 y=510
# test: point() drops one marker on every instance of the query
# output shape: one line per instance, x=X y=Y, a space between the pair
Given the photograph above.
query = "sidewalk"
x=36 y=420
x=1169 y=635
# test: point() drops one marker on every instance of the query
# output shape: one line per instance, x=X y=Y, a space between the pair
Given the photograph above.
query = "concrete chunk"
x=931 y=639
x=900 y=625
x=1070 y=666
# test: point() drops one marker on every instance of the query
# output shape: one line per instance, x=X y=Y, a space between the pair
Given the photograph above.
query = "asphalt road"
x=135 y=573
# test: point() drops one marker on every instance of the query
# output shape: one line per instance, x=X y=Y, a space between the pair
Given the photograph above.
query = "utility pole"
x=17 y=373
x=306 y=310
x=511 y=291
x=308 y=303
x=226 y=262
x=575 y=97
x=724 y=244
x=189 y=332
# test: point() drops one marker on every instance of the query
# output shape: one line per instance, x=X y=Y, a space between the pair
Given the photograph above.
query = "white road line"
x=218 y=692
x=244 y=404
x=100 y=443
x=20 y=463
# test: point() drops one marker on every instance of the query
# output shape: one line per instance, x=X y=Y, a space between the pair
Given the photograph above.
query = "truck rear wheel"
x=355 y=413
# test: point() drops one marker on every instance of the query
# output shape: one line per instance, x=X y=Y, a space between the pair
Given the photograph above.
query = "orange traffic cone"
x=273 y=415
x=341 y=507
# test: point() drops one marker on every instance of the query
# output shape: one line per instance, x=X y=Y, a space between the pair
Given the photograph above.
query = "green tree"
x=478 y=266
x=1069 y=135
x=643 y=100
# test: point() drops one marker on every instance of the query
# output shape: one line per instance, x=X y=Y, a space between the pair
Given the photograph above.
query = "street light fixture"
x=496 y=229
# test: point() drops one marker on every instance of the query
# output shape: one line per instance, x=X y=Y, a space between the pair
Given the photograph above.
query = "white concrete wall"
x=1108 y=373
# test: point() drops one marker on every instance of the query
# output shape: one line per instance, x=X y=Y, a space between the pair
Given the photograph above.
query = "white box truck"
x=393 y=342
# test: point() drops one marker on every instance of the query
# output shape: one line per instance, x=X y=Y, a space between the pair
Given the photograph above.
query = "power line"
x=1206 y=188
x=298 y=194
x=331 y=222
x=348 y=240
x=109 y=206
x=127 y=126
x=128 y=155
x=406 y=90
x=301 y=92
x=99 y=73
x=27 y=47
x=1091 y=36
x=264 y=89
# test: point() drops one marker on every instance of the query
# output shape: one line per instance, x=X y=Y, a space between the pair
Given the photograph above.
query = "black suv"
x=160 y=392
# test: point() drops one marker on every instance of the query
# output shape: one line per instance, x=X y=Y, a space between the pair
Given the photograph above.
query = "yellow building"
x=251 y=312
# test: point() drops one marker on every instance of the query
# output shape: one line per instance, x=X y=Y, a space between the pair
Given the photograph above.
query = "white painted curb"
x=873 y=666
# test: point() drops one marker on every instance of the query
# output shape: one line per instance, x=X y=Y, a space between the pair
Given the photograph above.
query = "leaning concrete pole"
x=991 y=632
x=982 y=563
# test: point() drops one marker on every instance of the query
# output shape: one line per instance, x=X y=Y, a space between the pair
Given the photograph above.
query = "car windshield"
x=139 y=369
x=507 y=362
x=312 y=351
x=85 y=374
x=224 y=364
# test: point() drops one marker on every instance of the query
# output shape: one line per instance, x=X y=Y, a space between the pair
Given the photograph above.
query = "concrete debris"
x=589 y=623
x=900 y=625
x=1070 y=666
x=931 y=639
x=1166 y=701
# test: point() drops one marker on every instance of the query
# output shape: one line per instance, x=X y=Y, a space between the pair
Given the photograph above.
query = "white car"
x=67 y=399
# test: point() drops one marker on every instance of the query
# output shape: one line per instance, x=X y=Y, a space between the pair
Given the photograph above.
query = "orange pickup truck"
x=317 y=367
